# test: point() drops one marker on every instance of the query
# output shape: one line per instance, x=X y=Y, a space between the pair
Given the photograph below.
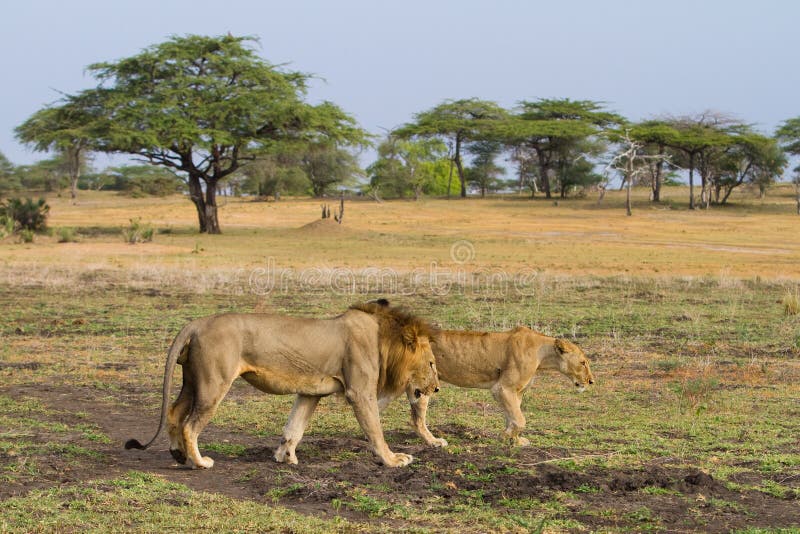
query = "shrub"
x=6 y=226
x=66 y=235
x=26 y=236
x=138 y=232
x=791 y=303
x=27 y=214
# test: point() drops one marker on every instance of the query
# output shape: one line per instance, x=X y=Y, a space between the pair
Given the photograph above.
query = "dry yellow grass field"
x=576 y=237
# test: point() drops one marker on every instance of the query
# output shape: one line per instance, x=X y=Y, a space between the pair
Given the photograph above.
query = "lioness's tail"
x=179 y=346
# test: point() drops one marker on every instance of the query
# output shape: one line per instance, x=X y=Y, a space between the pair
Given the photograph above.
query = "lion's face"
x=574 y=364
x=424 y=378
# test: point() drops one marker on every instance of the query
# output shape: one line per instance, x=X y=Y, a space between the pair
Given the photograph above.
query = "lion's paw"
x=399 y=459
x=438 y=442
x=204 y=463
x=283 y=456
x=521 y=442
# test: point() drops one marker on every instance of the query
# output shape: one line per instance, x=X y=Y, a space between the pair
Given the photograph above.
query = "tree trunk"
x=707 y=185
x=450 y=178
x=212 y=221
x=691 y=181
x=73 y=186
x=543 y=171
x=460 y=168
x=728 y=191
x=74 y=163
x=629 y=180
x=196 y=195
x=797 y=198
x=657 y=177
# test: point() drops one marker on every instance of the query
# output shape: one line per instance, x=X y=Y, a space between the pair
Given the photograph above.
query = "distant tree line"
x=206 y=115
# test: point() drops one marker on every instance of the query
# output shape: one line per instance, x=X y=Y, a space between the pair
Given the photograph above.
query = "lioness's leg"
x=365 y=406
x=175 y=416
x=207 y=398
x=511 y=401
x=302 y=410
x=419 y=409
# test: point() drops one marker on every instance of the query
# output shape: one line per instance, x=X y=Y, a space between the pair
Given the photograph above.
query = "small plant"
x=695 y=392
x=667 y=366
x=791 y=303
x=26 y=214
x=6 y=226
x=26 y=236
x=138 y=232
x=66 y=235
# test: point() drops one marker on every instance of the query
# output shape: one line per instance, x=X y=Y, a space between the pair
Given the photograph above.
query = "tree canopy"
x=202 y=106
x=551 y=130
x=457 y=121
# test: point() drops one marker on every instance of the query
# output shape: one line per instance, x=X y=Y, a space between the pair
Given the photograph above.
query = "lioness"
x=505 y=363
x=369 y=353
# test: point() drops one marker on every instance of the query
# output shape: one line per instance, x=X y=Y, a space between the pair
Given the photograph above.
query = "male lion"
x=505 y=363
x=370 y=353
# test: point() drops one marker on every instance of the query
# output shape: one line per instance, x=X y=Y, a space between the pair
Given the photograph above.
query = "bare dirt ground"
x=315 y=486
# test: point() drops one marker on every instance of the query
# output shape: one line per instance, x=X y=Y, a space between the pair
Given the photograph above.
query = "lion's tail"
x=179 y=346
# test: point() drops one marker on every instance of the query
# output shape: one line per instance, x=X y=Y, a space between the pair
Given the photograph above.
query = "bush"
x=26 y=236
x=66 y=235
x=138 y=232
x=791 y=303
x=27 y=214
x=6 y=226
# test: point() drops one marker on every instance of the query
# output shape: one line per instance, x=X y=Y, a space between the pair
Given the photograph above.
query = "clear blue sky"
x=385 y=61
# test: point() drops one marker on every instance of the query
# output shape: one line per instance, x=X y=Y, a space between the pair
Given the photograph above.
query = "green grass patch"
x=146 y=503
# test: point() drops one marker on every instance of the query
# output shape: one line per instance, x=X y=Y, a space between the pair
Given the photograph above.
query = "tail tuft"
x=381 y=302
x=134 y=444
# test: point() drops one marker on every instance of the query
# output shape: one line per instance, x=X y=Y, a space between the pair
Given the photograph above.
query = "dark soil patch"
x=332 y=467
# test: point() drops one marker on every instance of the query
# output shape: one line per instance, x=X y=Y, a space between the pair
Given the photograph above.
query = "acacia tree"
x=458 y=121
x=8 y=179
x=203 y=106
x=553 y=129
x=788 y=134
x=701 y=140
x=656 y=136
x=327 y=165
x=418 y=166
x=484 y=174
x=61 y=129
x=751 y=157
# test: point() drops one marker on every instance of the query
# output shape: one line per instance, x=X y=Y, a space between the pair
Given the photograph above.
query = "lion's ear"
x=561 y=346
x=410 y=336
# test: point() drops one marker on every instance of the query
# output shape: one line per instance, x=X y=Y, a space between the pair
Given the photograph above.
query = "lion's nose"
x=436 y=389
x=591 y=381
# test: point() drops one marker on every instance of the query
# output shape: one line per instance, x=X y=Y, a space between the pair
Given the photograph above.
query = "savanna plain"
x=690 y=320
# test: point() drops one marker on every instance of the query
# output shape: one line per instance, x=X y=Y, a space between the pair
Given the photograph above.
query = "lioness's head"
x=573 y=363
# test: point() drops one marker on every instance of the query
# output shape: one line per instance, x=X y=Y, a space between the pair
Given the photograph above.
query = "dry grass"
x=573 y=238
x=791 y=302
